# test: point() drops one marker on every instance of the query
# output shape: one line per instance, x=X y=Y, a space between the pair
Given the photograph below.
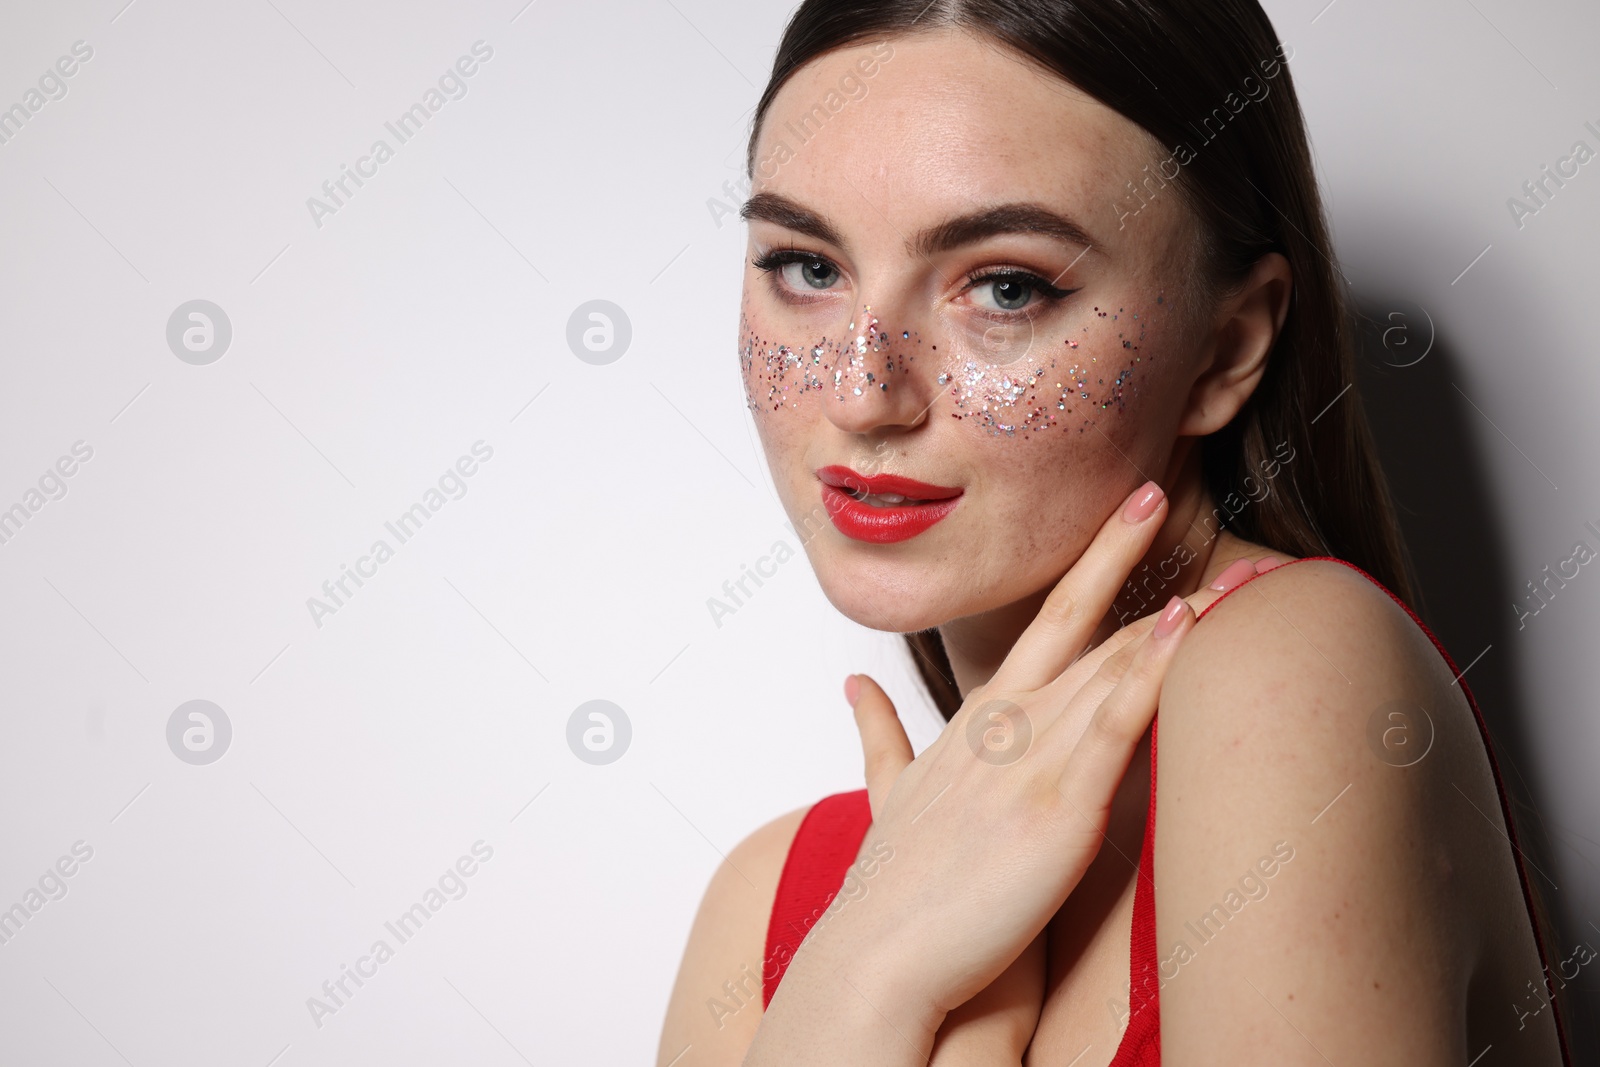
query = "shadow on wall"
x=1428 y=436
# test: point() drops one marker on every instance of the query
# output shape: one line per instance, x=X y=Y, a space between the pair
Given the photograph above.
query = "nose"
x=883 y=378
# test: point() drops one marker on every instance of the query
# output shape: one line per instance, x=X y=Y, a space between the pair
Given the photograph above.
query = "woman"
x=1042 y=337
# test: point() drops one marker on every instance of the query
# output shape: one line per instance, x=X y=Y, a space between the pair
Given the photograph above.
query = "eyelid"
x=794 y=254
x=983 y=275
x=773 y=260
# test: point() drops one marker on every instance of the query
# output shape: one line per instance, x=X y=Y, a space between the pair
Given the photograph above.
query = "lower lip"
x=863 y=522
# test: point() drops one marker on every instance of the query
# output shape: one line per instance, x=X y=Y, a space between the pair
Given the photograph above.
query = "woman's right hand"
x=994 y=824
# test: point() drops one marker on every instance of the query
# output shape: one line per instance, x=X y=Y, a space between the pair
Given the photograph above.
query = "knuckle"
x=1115 y=722
x=1117 y=664
x=1060 y=609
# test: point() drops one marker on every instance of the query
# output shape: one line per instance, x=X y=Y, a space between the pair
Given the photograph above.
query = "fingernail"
x=1266 y=563
x=1235 y=573
x=852 y=689
x=1142 y=504
x=1169 y=617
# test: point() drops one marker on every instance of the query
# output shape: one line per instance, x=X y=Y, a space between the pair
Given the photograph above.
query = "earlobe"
x=1243 y=333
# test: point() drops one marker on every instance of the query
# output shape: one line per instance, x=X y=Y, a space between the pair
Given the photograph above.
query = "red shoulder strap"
x=1141 y=1041
x=822 y=850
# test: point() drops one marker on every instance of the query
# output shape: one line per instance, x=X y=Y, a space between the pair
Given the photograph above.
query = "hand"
x=995 y=823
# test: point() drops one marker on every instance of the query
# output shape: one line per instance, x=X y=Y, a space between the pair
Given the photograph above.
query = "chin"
x=882 y=596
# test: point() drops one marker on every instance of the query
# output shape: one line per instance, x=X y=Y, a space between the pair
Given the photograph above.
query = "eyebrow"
x=974 y=226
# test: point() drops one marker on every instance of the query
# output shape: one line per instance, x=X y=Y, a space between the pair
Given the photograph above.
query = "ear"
x=1242 y=334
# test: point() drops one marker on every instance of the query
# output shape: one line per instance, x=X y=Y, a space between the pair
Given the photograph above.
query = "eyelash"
x=772 y=261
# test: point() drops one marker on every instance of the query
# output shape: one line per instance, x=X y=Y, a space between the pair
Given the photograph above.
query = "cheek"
x=1067 y=380
x=780 y=372
x=785 y=370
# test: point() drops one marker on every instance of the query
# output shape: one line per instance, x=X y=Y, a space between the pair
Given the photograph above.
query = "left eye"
x=1006 y=292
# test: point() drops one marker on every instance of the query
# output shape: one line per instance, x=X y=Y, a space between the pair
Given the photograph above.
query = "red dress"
x=832 y=831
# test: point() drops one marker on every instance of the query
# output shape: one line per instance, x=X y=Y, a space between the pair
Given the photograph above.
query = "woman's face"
x=957 y=284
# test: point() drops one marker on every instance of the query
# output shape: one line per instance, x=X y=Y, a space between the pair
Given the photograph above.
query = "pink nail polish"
x=1143 y=503
x=1266 y=563
x=1234 y=574
x=1169 y=617
x=852 y=689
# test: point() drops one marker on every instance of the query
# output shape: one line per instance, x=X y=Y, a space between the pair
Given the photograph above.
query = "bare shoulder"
x=1303 y=659
x=1328 y=837
x=1364 y=632
x=716 y=1000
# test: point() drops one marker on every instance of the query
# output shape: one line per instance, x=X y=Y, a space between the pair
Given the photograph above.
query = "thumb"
x=884 y=745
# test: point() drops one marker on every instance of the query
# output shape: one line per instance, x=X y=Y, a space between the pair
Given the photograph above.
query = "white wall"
x=430 y=312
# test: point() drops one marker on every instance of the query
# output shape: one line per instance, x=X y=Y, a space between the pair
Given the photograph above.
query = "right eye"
x=799 y=270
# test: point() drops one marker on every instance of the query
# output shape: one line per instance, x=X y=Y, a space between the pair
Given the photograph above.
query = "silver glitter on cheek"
x=783 y=373
x=1012 y=401
x=1040 y=395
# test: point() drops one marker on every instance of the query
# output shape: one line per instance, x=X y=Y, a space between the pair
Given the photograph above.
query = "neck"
x=1187 y=554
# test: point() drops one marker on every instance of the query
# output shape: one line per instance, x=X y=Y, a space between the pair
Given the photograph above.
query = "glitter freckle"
x=1010 y=400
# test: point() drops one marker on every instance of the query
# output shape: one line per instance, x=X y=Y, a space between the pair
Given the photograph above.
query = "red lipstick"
x=855 y=504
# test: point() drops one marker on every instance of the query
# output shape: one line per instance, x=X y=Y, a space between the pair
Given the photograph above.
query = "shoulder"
x=1284 y=776
x=1315 y=623
x=716 y=998
x=1287 y=684
x=1292 y=679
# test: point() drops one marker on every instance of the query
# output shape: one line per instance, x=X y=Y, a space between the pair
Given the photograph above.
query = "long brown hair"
x=1248 y=178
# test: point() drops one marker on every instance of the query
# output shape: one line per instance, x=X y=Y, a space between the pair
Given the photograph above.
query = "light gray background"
x=430 y=312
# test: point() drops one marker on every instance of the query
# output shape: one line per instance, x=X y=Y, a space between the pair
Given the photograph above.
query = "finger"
x=885 y=747
x=1075 y=607
x=1100 y=755
x=1233 y=575
x=1070 y=681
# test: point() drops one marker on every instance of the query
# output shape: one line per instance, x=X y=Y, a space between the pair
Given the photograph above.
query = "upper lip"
x=845 y=478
